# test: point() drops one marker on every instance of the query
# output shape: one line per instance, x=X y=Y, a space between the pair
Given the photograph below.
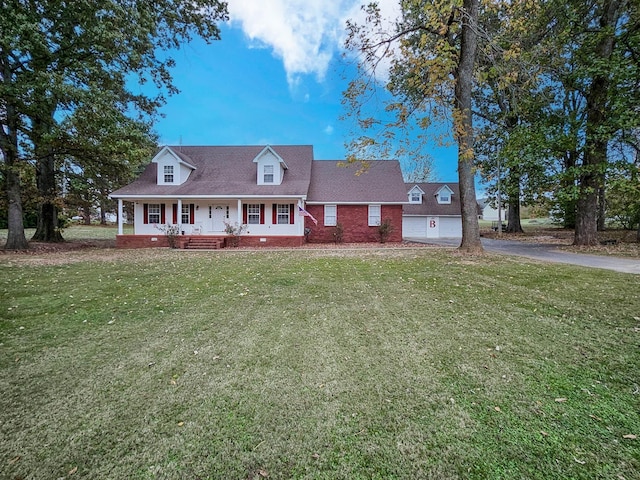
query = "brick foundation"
x=146 y=241
x=267 y=241
x=354 y=220
x=141 y=241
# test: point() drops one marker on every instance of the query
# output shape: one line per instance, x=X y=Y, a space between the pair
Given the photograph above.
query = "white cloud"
x=305 y=34
x=328 y=129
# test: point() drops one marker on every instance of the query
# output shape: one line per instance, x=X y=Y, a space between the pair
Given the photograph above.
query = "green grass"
x=80 y=232
x=387 y=364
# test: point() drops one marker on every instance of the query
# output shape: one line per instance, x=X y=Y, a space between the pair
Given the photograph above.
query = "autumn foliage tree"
x=426 y=62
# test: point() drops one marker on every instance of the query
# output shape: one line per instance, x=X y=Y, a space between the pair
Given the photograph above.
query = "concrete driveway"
x=544 y=252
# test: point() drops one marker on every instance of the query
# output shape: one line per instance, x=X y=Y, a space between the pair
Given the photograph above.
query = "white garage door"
x=450 y=227
x=414 y=226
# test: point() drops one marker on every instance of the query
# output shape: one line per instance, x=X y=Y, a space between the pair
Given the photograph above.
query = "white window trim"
x=185 y=214
x=169 y=174
x=444 y=202
x=151 y=210
x=330 y=218
x=375 y=215
x=251 y=213
x=416 y=193
x=283 y=214
x=268 y=172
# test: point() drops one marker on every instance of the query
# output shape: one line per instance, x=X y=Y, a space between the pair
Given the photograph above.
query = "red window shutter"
x=192 y=214
x=274 y=214
x=244 y=214
x=292 y=218
x=163 y=218
x=145 y=209
x=175 y=213
x=262 y=213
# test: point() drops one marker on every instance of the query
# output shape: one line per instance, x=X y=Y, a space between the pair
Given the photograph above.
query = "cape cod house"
x=280 y=194
x=433 y=211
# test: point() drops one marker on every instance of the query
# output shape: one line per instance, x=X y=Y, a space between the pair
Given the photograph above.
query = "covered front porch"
x=211 y=223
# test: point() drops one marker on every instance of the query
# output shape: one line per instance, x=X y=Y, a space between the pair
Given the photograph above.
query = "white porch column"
x=179 y=219
x=120 y=215
x=239 y=212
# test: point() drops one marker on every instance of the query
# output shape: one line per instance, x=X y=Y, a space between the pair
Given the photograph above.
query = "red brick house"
x=341 y=196
x=271 y=191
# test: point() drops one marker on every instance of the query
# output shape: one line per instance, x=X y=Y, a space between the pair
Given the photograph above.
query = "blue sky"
x=268 y=84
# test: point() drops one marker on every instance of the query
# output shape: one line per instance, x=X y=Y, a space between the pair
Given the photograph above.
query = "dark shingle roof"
x=227 y=170
x=381 y=182
x=430 y=205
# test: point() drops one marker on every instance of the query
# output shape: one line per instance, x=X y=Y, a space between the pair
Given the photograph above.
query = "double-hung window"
x=268 y=174
x=444 y=197
x=168 y=174
x=330 y=215
x=374 y=215
x=185 y=214
x=253 y=213
x=283 y=214
x=153 y=213
x=415 y=197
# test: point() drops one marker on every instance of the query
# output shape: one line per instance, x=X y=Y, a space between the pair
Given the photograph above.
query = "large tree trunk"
x=567 y=183
x=513 y=214
x=596 y=142
x=47 y=229
x=464 y=128
x=602 y=206
x=16 y=239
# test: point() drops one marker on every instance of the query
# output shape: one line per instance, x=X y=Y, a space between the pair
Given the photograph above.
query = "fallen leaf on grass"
x=73 y=470
x=180 y=424
x=543 y=433
x=315 y=456
x=595 y=417
x=14 y=460
x=497 y=409
x=629 y=436
x=561 y=400
x=263 y=473
x=581 y=462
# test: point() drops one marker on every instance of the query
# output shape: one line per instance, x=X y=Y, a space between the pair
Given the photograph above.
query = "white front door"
x=219 y=214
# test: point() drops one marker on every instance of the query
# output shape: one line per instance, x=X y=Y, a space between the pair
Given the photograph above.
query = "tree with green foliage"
x=429 y=56
x=595 y=49
x=57 y=59
x=511 y=142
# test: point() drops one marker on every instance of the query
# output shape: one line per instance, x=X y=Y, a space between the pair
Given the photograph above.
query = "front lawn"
x=339 y=364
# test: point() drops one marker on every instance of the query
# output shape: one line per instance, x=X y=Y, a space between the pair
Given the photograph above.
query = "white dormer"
x=172 y=170
x=270 y=167
x=415 y=195
x=443 y=195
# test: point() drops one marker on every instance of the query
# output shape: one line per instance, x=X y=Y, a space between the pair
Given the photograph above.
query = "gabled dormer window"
x=443 y=196
x=415 y=195
x=270 y=167
x=268 y=174
x=168 y=174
